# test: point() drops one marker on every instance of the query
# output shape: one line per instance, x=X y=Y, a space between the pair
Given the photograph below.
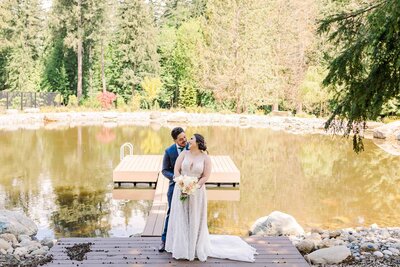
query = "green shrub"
x=120 y=102
x=16 y=103
x=59 y=99
x=72 y=101
x=91 y=102
x=135 y=102
x=156 y=106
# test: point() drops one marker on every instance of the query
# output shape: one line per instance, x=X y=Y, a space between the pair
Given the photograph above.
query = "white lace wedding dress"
x=187 y=234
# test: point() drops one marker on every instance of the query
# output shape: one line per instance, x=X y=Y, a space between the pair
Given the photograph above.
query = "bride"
x=188 y=236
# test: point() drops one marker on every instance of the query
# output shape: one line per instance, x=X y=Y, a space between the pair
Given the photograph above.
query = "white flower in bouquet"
x=187 y=185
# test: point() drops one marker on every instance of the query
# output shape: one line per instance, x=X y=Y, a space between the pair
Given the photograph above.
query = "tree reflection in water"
x=81 y=212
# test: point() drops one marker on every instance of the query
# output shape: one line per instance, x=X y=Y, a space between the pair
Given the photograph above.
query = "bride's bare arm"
x=178 y=164
x=207 y=171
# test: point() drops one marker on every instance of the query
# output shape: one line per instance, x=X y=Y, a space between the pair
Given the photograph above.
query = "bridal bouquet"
x=187 y=185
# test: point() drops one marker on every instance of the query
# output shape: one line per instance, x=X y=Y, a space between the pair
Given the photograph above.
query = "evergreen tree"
x=166 y=48
x=55 y=76
x=136 y=45
x=177 y=12
x=364 y=67
x=80 y=20
x=186 y=55
x=21 y=44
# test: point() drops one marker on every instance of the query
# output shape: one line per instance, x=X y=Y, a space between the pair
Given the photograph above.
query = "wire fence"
x=22 y=100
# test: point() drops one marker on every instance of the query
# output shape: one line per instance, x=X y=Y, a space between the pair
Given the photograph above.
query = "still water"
x=62 y=179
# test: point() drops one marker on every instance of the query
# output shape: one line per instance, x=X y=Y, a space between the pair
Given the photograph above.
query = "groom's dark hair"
x=176 y=131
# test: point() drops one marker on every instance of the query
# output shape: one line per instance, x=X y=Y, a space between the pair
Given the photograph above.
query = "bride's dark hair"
x=201 y=142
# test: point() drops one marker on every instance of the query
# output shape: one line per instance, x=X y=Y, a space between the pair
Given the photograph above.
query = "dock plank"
x=138 y=168
x=155 y=221
x=138 y=251
x=145 y=168
x=225 y=171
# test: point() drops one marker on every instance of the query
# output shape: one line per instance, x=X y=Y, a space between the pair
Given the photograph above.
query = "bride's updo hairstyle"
x=201 y=143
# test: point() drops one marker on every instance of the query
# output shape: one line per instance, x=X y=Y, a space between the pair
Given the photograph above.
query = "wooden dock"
x=155 y=221
x=145 y=169
x=142 y=251
x=138 y=169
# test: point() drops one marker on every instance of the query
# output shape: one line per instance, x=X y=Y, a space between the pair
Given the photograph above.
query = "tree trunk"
x=275 y=106
x=299 y=108
x=90 y=89
x=134 y=83
x=236 y=55
x=103 y=77
x=320 y=109
x=79 y=89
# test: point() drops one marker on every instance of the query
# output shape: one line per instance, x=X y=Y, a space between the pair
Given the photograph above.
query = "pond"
x=62 y=179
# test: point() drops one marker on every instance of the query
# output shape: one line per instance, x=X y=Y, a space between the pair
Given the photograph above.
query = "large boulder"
x=390 y=146
x=4 y=244
x=16 y=223
x=332 y=255
x=10 y=238
x=277 y=223
x=389 y=130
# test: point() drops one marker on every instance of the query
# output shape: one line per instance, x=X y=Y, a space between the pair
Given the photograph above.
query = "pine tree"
x=364 y=65
x=186 y=61
x=80 y=20
x=136 y=45
x=55 y=76
x=180 y=44
x=21 y=44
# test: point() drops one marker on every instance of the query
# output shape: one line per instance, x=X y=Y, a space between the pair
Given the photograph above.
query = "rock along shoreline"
x=360 y=246
x=35 y=120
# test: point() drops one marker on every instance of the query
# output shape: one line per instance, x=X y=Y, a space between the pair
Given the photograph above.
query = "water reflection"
x=63 y=179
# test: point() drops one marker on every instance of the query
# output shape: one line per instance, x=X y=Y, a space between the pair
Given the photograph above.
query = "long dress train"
x=187 y=234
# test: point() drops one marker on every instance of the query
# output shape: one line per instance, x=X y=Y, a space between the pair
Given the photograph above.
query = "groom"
x=170 y=156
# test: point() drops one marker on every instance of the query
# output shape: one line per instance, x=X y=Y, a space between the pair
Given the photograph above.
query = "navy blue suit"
x=170 y=156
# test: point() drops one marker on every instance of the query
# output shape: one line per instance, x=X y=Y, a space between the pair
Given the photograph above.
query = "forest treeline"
x=237 y=55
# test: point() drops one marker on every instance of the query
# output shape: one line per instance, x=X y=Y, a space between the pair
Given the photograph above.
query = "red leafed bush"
x=106 y=99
